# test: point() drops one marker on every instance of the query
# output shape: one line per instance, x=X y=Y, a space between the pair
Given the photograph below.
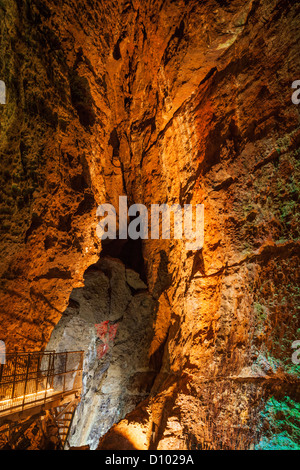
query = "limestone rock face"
x=165 y=102
x=114 y=327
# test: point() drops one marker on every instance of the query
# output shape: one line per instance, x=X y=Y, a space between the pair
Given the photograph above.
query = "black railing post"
x=53 y=369
x=1 y=372
x=47 y=379
x=26 y=378
x=37 y=373
x=65 y=371
x=14 y=376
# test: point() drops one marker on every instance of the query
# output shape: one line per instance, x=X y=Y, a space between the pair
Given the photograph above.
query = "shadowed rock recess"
x=185 y=102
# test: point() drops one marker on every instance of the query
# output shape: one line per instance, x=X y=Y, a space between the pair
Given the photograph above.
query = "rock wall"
x=166 y=102
x=38 y=432
x=111 y=318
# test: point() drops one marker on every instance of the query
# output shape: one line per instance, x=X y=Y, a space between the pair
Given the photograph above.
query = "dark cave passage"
x=129 y=252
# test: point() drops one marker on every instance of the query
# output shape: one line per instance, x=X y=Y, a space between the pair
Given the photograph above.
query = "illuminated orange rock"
x=185 y=102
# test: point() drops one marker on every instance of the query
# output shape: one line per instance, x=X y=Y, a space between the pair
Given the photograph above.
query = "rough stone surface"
x=38 y=432
x=166 y=102
x=117 y=378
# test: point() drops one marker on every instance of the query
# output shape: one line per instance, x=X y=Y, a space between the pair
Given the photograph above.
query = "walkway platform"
x=31 y=383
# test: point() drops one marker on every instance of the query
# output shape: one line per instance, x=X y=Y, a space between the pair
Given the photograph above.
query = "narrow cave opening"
x=128 y=251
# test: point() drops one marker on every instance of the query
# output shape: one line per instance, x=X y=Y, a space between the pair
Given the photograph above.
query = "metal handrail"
x=36 y=377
